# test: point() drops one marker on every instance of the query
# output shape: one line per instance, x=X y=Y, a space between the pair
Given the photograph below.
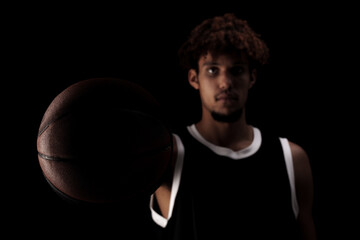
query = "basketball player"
x=231 y=180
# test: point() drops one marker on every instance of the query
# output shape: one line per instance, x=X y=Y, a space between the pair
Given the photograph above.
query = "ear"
x=253 y=76
x=193 y=79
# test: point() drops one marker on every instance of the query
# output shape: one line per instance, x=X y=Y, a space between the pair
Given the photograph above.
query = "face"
x=223 y=82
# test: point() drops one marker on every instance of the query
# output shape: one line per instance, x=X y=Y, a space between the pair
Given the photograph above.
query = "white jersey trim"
x=227 y=152
x=158 y=218
x=290 y=170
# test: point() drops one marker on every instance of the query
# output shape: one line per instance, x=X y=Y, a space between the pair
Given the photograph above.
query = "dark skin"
x=223 y=82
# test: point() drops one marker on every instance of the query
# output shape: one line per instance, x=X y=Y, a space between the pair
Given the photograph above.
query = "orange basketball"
x=103 y=141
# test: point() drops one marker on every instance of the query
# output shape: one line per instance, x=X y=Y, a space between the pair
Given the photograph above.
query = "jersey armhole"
x=158 y=218
x=290 y=170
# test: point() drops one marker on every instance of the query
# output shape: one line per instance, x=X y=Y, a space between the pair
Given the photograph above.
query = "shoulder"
x=298 y=152
x=303 y=175
x=301 y=162
x=300 y=159
x=304 y=190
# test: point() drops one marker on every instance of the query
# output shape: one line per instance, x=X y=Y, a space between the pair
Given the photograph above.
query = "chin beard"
x=228 y=118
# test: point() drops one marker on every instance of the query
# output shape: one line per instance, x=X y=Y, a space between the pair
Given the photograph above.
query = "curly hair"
x=223 y=34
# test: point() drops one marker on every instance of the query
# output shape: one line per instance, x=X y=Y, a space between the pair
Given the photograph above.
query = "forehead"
x=224 y=58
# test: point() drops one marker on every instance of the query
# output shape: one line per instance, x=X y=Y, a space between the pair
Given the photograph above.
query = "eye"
x=237 y=70
x=212 y=70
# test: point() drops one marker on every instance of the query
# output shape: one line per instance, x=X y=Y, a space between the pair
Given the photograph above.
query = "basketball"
x=103 y=141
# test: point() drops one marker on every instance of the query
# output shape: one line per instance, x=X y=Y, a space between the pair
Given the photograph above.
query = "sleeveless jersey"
x=223 y=194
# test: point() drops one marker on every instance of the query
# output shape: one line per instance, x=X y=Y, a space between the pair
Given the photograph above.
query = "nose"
x=225 y=82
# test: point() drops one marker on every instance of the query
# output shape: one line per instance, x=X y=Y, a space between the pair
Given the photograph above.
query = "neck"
x=235 y=135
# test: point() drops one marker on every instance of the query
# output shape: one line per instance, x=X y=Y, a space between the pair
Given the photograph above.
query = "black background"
x=305 y=93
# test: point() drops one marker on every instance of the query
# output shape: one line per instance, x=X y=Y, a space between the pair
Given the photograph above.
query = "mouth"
x=226 y=97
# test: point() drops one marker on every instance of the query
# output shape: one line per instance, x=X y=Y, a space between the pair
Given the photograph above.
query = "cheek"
x=205 y=92
x=244 y=85
x=243 y=97
x=243 y=92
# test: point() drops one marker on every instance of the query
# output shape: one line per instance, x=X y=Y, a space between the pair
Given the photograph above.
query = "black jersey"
x=223 y=194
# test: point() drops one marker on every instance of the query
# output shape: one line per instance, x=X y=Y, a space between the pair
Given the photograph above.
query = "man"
x=230 y=180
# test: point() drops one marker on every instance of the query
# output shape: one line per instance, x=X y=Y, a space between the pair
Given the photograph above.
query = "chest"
x=258 y=183
x=221 y=197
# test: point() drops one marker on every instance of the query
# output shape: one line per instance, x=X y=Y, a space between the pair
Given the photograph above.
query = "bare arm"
x=163 y=193
x=304 y=191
